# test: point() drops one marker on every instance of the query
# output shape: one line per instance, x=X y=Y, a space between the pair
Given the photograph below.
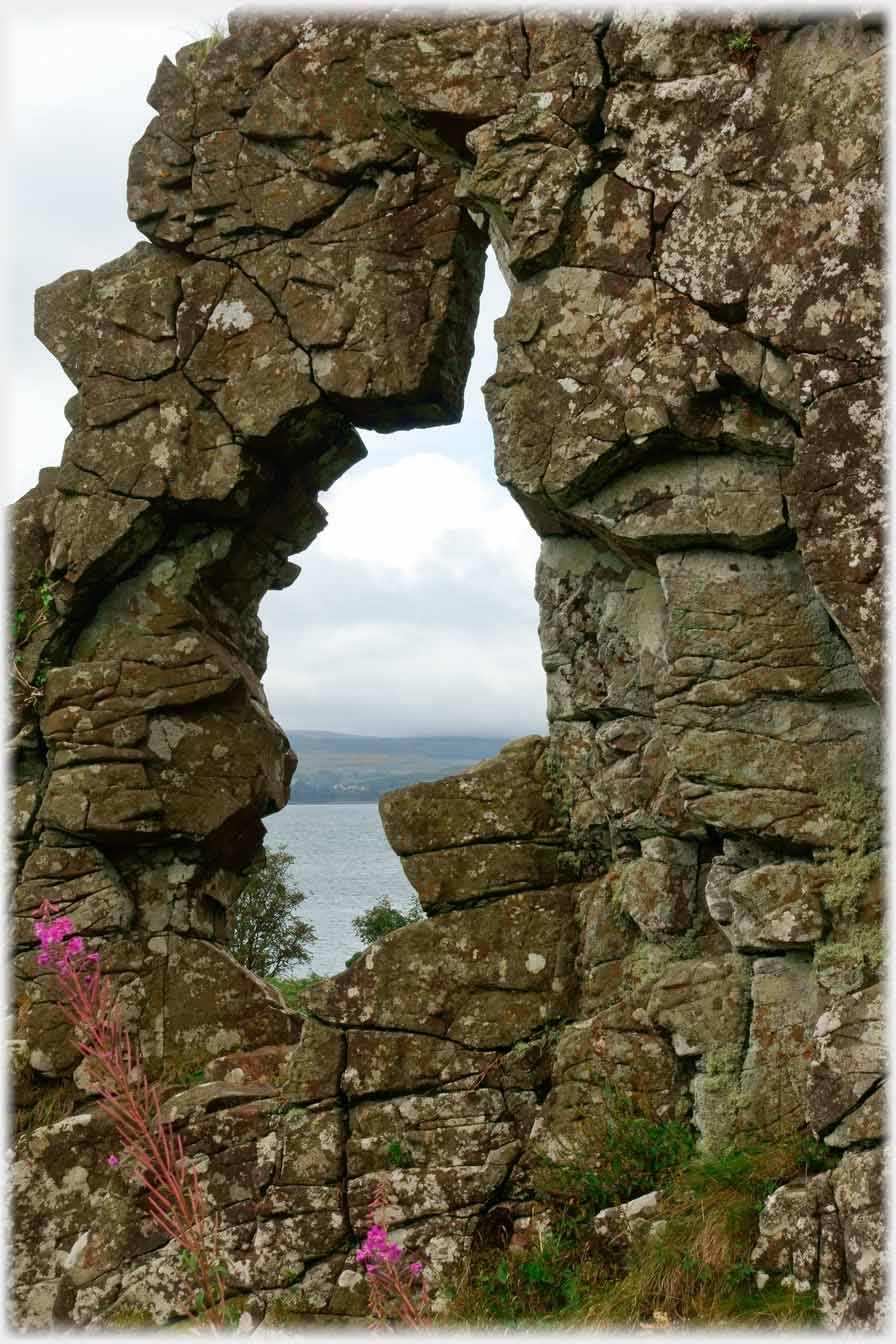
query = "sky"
x=414 y=611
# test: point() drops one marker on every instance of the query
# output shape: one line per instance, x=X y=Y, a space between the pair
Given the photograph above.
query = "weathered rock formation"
x=673 y=894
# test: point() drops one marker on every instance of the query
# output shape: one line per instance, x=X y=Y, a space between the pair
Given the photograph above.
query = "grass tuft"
x=692 y=1267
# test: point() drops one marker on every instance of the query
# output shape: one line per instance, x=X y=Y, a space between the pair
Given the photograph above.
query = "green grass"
x=292 y=989
x=55 y=1102
x=694 y=1269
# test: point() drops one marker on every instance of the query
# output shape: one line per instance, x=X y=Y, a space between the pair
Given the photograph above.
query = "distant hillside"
x=345 y=768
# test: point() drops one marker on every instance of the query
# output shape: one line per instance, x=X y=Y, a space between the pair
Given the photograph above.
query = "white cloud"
x=37 y=426
x=402 y=517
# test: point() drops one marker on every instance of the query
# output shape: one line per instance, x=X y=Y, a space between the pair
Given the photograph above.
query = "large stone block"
x=503 y=798
x=771 y=1098
x=483 y=977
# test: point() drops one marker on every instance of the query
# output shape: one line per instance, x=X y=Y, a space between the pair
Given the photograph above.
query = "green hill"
x=349 y=768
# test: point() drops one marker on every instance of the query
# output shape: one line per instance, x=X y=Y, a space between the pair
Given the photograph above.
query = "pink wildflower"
x=176 y=1200
x=395 y=1288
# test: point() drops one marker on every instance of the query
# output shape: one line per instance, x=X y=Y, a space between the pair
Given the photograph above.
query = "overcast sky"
x=414 y=611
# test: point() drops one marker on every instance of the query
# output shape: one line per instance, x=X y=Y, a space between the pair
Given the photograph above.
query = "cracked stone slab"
x=600 y=629
x=580 y=351
x=528 y=166
x=829 y=1231
x=482 y=977
x=848 y=1056
x=402 y=1061
x=702 y=1002
x=621 y=772
x=445 y=878
x=837 y=499
x=659 y=890
x=458 y=1148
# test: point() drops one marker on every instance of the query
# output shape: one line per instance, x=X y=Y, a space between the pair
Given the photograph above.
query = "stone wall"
x=674 y=894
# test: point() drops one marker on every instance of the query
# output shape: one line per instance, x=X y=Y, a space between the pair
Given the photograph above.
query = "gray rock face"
x=672 y=894
x=830 y=1231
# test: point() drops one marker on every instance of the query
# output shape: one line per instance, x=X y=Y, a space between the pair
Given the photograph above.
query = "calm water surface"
x=343 y=864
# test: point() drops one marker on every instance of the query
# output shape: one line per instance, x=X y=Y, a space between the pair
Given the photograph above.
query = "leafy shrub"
x=383 y=918
x=267 y=934
x=546 y=1282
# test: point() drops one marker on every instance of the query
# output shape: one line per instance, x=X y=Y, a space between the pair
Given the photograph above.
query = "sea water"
x=342 y=861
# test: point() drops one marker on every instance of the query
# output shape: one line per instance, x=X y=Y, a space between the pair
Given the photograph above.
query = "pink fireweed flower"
x=116 y=1071
x=396 y=1289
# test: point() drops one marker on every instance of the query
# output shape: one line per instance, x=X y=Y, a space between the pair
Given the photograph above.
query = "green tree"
x=383 y=918
x=267 y=933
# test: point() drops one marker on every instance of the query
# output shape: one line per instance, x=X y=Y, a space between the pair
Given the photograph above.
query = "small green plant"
x=287 y=1308
x=397 y=1155
x=743 y=41
x=626 y=1151
x=549 y=1282
x=694 y=1267
x=191 y=58
x=36 y=608
x=53 y=1103
x=811 y=1155
x=182 y=1070
x=864 y=947
x=131 y=1318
